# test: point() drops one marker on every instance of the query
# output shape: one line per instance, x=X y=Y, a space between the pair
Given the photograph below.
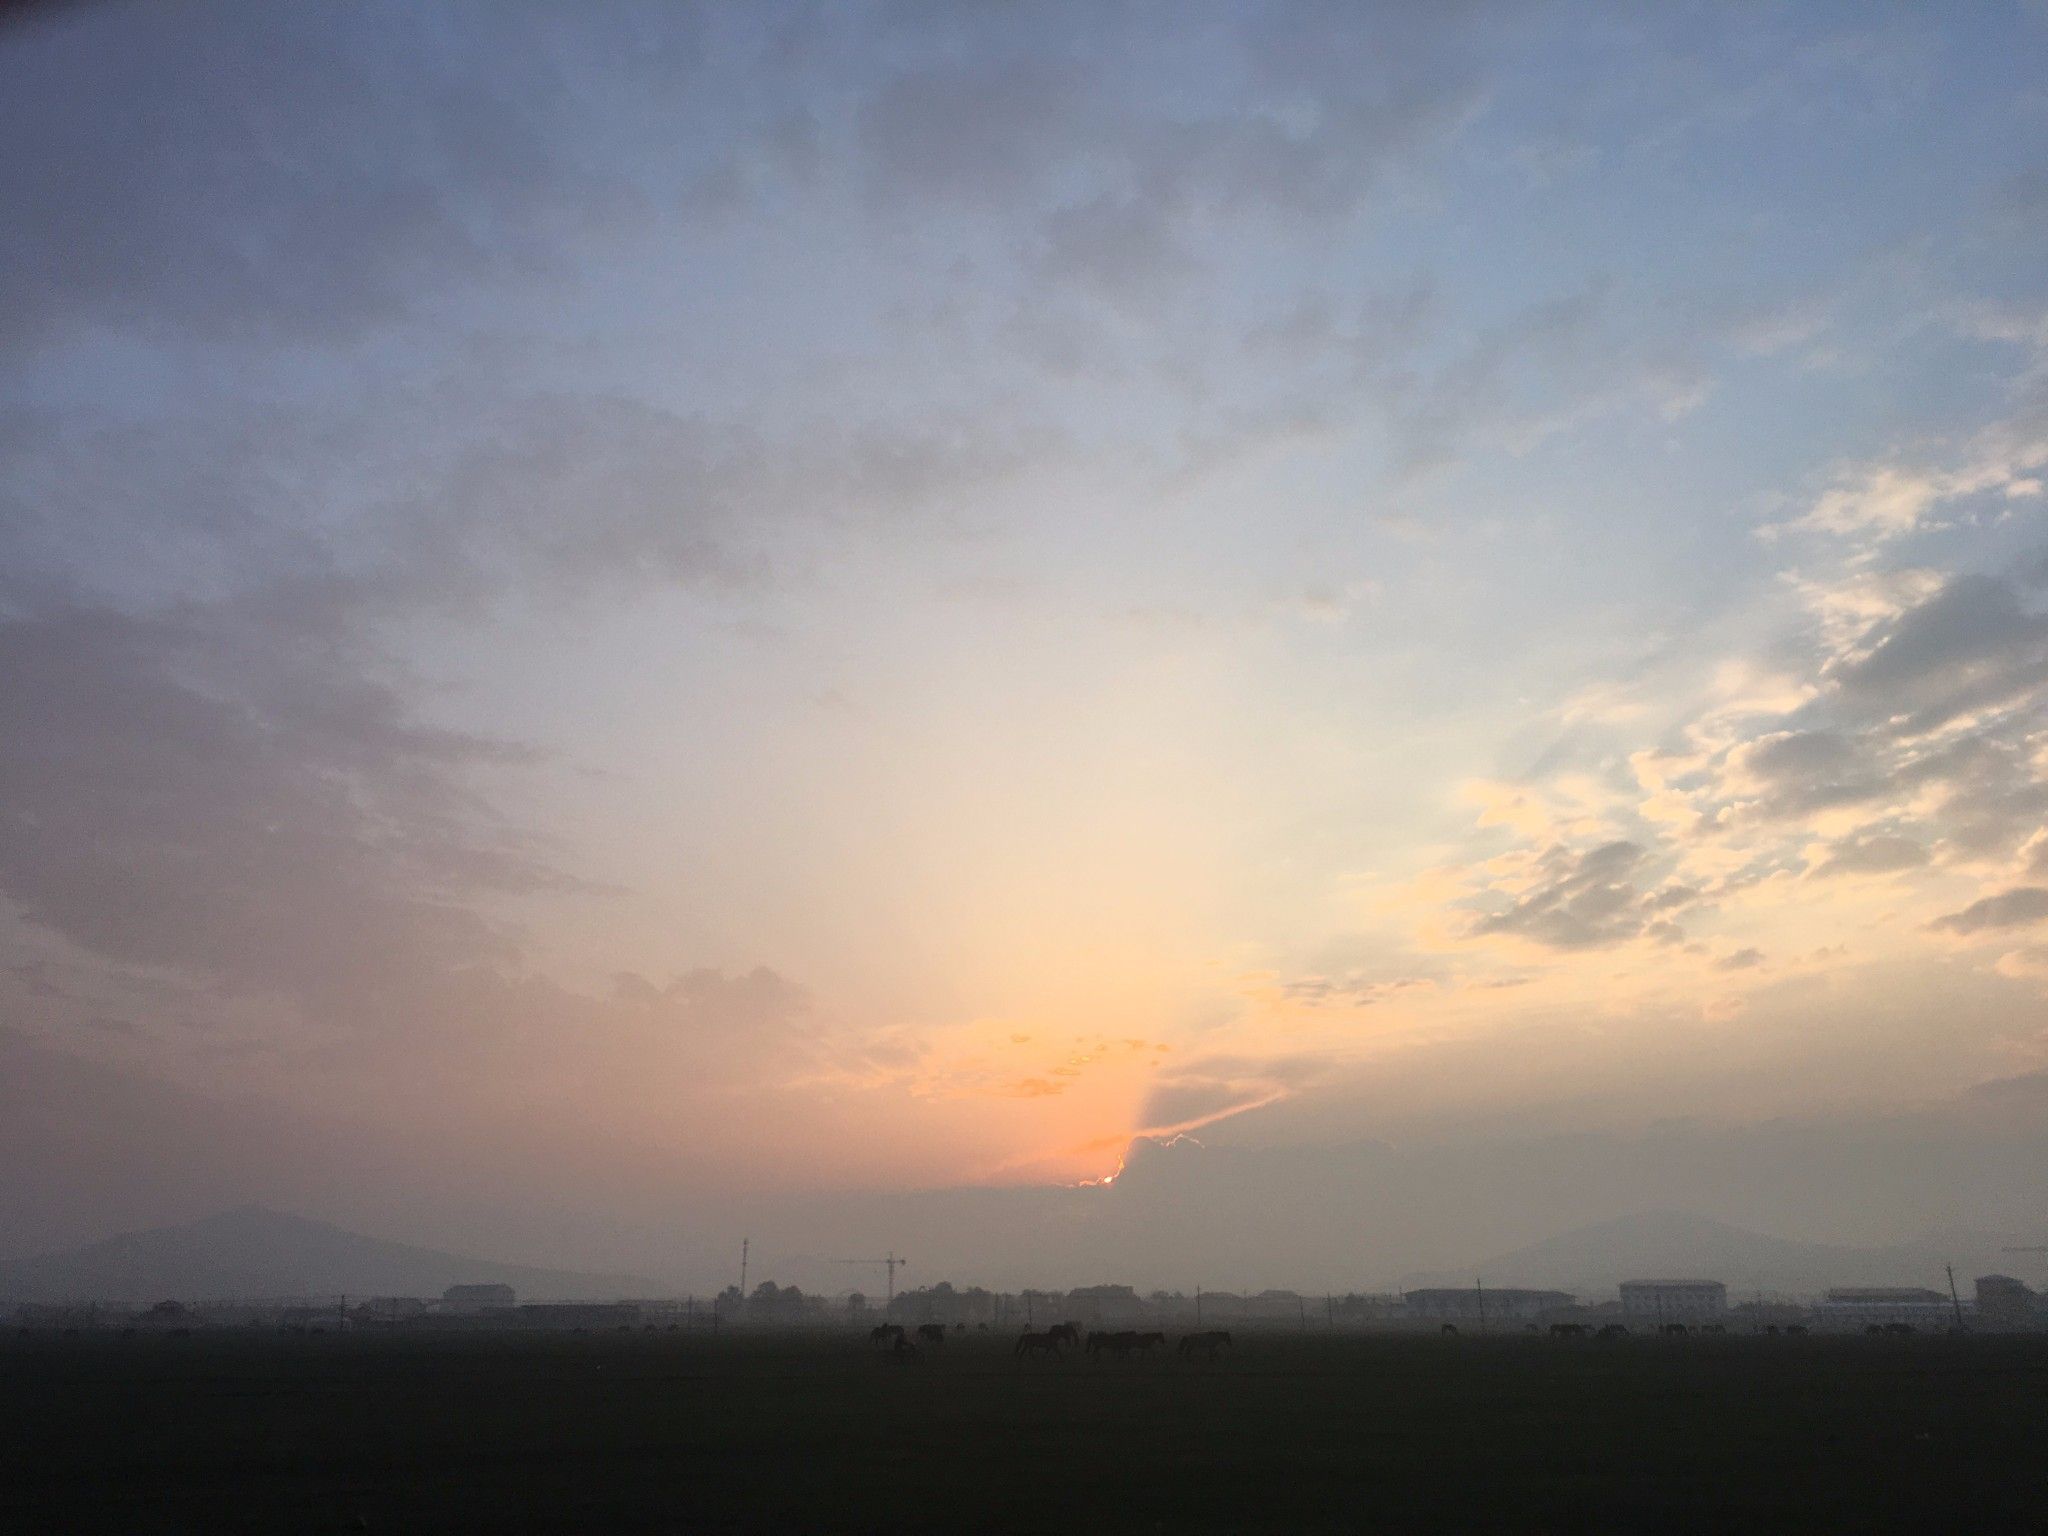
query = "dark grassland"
x=1294 y=1432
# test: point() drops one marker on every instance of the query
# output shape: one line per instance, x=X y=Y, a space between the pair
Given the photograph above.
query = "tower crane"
x=891 y=1263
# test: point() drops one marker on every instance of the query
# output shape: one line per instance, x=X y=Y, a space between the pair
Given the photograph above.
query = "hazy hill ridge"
x=1595 y=1259
x=256 y=1252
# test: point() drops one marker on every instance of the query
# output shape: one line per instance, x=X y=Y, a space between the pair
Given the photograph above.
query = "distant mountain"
x=1592 y=1261
x=254 y=1252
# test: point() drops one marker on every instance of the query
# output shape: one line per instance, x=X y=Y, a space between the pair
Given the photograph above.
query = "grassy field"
x=1293 y=1432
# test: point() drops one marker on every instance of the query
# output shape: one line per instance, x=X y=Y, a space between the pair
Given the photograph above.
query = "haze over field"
x=624 y=626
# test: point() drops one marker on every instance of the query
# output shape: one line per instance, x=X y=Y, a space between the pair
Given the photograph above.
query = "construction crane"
x=891 y=1264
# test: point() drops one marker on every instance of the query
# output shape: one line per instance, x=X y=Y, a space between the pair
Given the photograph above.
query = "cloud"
x=1887 y=500
x=213 y=793
x=1973 y=645
x=1879 y=855
x=2015 y=908
x=1580 y=901
x=1740 y=960
x=307 y=174
x=1355 y=990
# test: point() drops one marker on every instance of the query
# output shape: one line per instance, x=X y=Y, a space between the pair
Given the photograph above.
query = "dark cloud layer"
x=2017 y=908
x=231 y=796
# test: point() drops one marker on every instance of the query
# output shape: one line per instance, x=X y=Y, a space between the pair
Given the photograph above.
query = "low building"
x=1673 y=1301
x=2003 y=1302
x=478 y=1298
x=1862 y=1306
x=1471 y=1303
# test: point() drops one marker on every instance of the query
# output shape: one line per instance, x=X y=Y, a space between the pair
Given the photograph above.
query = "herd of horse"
x=1034 y=1344
x=1121 y=1345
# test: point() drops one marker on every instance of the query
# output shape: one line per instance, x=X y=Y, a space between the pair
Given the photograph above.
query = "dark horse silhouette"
x=932 y=1333
x=1066 y=1333
x=1204 y=1344
x=886 y=1333
x=1031 y=1345
x=1567 y=1330
x=1120 y=1344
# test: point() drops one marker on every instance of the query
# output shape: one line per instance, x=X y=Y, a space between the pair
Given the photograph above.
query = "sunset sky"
x=618 y=615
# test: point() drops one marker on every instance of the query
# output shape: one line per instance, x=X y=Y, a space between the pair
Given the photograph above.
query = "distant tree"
x=856 y=1303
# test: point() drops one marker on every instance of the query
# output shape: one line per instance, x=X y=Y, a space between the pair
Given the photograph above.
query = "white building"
x=1860 y=1306
x=1673 y=1301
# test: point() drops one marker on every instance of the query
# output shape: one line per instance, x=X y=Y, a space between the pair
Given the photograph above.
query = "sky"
x=625 y=625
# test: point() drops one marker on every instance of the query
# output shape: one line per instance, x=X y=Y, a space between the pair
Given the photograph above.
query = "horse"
x=932 y=1333
x=1031 y=1345
x=1448 y=1328
x=1067 y=1333
x=1613 y=1330
x=1567 y=1330
x=886 y=1333
x=1143 y=1342
x=1678 y=1329
x=1205 y=1344
x=1101 y=1339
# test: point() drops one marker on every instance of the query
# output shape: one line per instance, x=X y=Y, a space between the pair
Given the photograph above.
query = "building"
x=1472 y=1303
x=2003 y=1302
x=1673 y=1301
x=1860 y=1306
x=477 y=1298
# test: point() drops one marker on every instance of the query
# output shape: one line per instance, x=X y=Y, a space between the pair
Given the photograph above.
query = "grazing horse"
x=1448 y=1328
x=932 y=1333
x=1205 y=1344
x=1613 y=1330
x=1567 y=1330
x=886 y=1333
x=1066 y=1333
x=1675 y=1328
x=1031 y=1345
x=1143 y=1342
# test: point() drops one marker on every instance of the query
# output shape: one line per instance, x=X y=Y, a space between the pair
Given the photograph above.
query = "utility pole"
x=1953 y=1299
x=744 y=1243
x=1198 y=1306
x=1480 y=1287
